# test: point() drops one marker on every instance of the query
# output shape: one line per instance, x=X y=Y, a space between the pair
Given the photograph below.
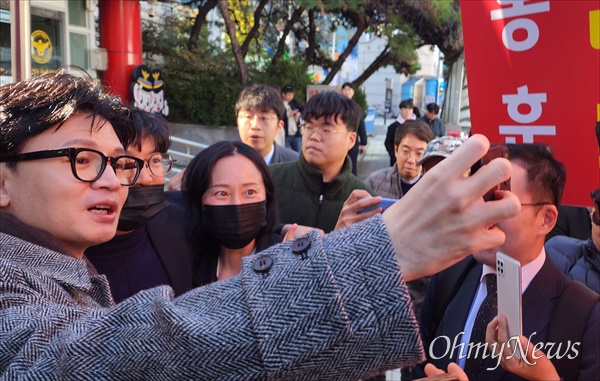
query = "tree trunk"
x=281 y=46
x=360 y=28
x=198 y=22
x=235 y=46
x=255 y=27
x=312 y=39
x=379 y=62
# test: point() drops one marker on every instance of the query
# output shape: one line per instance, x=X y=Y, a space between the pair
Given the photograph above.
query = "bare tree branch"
x=235 y=46
x=255 y=28
x=382 y=60
x=281 y=46
x=312 y=40
x=198 y=22
x=360 y=28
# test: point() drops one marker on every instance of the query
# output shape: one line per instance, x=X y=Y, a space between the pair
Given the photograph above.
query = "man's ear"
x=351 y=140
x=4 y=196
x=548 y=216
x=280 y=125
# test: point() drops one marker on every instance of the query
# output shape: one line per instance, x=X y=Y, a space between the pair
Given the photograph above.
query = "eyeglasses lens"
x=89 y=166
x=160 y=164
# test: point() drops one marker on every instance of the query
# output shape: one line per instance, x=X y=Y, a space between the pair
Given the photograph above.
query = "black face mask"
x=143 y=203
x=234 y=226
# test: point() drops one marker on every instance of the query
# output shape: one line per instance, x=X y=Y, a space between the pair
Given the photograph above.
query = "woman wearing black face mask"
x=234 y=211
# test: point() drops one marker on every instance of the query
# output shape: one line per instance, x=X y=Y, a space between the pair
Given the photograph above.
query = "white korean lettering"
x=518 y=8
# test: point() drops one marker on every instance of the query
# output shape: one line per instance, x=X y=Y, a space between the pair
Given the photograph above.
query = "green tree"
x=275 y=41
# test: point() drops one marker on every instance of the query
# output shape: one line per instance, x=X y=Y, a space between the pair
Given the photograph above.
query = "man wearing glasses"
x=580 y=259
x=150 y=248
x=312 y=191
x=260 y=112
x=410 y=145
x=538 y=179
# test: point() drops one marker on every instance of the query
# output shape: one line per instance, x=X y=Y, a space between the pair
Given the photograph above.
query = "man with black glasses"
x=150 y=248
x=462 y=300
x=312 y=190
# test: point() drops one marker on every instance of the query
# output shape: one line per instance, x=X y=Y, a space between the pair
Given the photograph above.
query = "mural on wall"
x=148 y=90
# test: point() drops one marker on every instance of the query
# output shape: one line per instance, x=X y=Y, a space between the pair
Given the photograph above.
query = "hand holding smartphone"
x=508 y=278
x=385 y=203
x=493 y=153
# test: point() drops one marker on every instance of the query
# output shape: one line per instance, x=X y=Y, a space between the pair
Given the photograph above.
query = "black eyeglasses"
x=88 y=164
x=537 y=204
x=596 y=199
x=160 y=164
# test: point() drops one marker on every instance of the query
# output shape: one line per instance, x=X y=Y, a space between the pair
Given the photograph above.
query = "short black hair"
x=263 y=97
x=198 y=177
x=35 y=105
x=333 y=104
x=546 y=176
x=433 y=108
x=406 y=104
x=287 y=89
x=150 y=125
x=347 y=84
x=416 y=127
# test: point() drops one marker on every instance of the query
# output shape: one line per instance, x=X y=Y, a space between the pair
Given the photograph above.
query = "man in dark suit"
x=538 y=180
x=260 y=116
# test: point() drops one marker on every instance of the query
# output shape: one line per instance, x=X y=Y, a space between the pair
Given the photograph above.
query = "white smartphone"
x=508 y=277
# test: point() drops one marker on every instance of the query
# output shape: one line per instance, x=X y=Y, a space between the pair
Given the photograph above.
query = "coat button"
x=300 y=245
x=262 y=264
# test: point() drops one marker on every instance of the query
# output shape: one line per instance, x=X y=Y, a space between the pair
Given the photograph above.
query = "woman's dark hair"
x=198 y=177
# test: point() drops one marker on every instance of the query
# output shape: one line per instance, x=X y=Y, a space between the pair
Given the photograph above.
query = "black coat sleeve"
x=389 y=139
x=362 y=132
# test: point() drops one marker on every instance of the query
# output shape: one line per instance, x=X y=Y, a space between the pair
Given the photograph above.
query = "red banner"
x=533 y=71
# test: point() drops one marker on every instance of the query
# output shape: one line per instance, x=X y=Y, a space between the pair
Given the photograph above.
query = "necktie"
x=487 y=311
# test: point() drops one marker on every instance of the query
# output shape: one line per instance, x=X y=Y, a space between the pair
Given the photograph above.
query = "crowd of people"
x=270 y=259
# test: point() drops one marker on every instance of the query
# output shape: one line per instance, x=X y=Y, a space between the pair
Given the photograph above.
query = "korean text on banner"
x=534 y=76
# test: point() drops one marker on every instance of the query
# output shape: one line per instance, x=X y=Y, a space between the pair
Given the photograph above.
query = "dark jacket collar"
x=57 y=263
x=315 y=177
x=11 y=225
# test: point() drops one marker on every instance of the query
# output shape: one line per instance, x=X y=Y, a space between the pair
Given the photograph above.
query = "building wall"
x=374 y=87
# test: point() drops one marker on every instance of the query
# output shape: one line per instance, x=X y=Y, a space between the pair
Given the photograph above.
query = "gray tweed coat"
x=336 y=312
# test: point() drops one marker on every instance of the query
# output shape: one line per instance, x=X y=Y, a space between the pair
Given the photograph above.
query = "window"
x=77 y=13
x=78 y=43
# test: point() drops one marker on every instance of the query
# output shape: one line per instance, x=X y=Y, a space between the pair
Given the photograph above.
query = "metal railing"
x=186 y=150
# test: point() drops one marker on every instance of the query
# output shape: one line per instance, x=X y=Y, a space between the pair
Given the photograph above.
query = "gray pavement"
x=376 y=156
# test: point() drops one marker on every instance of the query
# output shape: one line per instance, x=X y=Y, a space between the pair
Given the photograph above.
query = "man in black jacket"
x=406 y=113
x=291 y=120
x=361 y=133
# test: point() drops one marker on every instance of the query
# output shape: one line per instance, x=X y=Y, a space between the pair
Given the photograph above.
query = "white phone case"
x=508 y=276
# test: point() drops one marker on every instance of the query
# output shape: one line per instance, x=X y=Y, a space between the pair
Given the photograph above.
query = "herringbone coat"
x=338 y=311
